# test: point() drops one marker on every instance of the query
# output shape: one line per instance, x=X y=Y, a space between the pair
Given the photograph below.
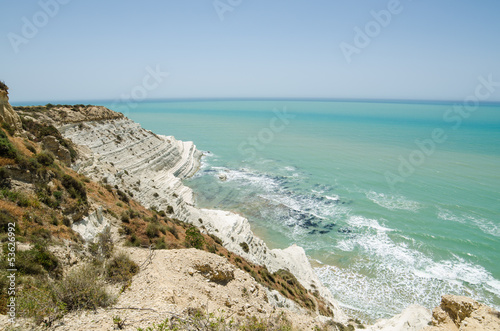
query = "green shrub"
x=170 y=210
x=6 y=218
x=45 y=158
x=194 y=238
x=82 y=288
x=5 y=181
x=160 y=244
x=152 y=230
x=9 y=128
x=122 y=196
x=37 y=260
x=7 y=150
x=245 y=247
x=105 y=243
x=121 y=269
x=125 y=217
x=75 y=188
x=37 y=301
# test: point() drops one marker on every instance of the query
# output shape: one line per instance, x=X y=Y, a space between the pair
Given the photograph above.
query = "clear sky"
x=90 y=50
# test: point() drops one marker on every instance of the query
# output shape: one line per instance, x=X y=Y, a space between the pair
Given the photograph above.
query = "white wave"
x=360 y=221
x=335 y=198
x=485 y=225
x=246 y=177
x=393 y=202
x=400 y=274
x=447 y=215
x=399 y=281
x=493 y=286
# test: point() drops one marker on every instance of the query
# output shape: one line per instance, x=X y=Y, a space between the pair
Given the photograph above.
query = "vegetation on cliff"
x=44 y=197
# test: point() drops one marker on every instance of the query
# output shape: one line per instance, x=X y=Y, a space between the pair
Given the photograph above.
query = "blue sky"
x=90 y=50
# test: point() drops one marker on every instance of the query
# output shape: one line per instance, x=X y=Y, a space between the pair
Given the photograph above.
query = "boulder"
x=51 y=144
x=463 y=314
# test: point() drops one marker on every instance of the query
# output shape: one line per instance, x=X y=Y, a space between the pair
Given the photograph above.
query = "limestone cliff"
x=150 y=167
x=7 y=114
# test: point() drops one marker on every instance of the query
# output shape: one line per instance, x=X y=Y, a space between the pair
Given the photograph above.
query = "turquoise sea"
x=396 y=203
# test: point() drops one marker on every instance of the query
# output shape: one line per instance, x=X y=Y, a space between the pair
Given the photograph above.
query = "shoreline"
x=153 y=167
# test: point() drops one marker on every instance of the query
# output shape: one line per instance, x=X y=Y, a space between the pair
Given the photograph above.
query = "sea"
x=395 y=202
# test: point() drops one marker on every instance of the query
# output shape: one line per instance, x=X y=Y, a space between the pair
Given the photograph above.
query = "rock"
x=7 y=113
x=464 y=314
x=51 y=144
x=89 y=227
x=217 y=273
x=413 y=318
x=223 y=177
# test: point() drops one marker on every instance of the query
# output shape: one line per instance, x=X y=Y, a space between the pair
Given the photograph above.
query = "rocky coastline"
x=117 y=152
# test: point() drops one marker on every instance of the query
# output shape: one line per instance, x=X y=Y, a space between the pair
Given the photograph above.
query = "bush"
x=9 y=128
x=125 y=217
x=37 y=301
x=160 y=244
x=75 y=188
x=37 y=260
x=245 y=247
x=152 y=230
x=121 y=269
x=105 y=243
x=194 y=238
x=6 y=218
x=45 y=159
x=5 y=181
x=82 y=289
x=122 y=196
x=170 y=210
x=7 y=150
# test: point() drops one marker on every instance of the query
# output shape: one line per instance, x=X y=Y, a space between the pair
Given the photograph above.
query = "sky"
x=56 y=50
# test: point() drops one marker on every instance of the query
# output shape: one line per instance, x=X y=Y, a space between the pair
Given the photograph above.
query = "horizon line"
x=200 y=99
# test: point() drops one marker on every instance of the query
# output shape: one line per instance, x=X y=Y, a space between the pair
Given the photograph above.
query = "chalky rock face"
x=151 y=167
x=7 y=114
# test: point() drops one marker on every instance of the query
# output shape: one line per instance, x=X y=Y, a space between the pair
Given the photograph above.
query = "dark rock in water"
x=324 y=231
x=329 y=226
x=344 y=230
x=313 y=232
x=305 y=220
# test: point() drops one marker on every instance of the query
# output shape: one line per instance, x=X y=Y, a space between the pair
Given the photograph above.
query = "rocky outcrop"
x=91 y=226
x=464 y=314
x=413 y=318
x=80 y=113
x=51 y=144
x=7 y=114
x=169 y=286
x=150 y=167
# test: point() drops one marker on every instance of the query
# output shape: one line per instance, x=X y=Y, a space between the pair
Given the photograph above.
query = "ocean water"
x=395 y=203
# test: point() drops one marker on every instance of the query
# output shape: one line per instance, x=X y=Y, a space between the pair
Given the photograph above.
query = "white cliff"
x=151 y=167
